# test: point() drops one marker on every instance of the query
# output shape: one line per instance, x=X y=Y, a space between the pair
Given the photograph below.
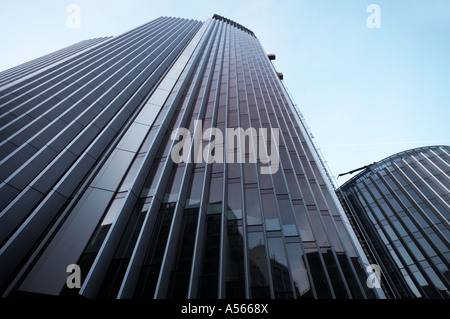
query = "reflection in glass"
x=252 y=208
x=209 y=278
x=235 y=261
x=118 y=266
x=280 y=271
x=154 y=255
x=195 y=190
x=259 y=278
x=270 y=211
x=302 y=285
x=234 y=201
x=179 y=279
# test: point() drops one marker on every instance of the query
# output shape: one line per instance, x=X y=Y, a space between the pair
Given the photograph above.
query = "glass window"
x=174 y=184
x=249 y=173
x=233 y=170
x=153 y=179
x=399 y=228
x=113 y=210
x=415 y=251
x=234 y=201
x=349 y=276
x=332 y=234
x=131 y=174
x=403 y=253
x=152 y=263
x=114 y=170
x=438 y=242
x=215 y=194
x=435 y=279
x=292 y=184
x=280 y=270
x=280 y=185
x=304 y=185
x=287 y=217
x=270 y=211
x=235 y=261
x=252 y=208
x=318 y=275
x=209 y=279
x=195 y=190
x=316 y=224
x=390 y=233
x=298 y=270
x=335 y=276
x=179 y=279
x=303 y=223
x=265 y=181
x=259 y=279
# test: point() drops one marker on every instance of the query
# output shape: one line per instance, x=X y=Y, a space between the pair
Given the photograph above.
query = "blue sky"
x=365 y=93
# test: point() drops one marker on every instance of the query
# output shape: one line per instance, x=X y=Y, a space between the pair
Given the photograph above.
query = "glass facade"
x=89 y=176
x=401 y=209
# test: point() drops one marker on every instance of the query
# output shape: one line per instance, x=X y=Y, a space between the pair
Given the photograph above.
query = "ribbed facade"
x=88 y=177
x=25 y=69
x=401 y=209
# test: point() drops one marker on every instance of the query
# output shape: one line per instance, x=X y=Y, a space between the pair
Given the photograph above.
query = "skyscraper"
x=401 y=209
x=167 y=162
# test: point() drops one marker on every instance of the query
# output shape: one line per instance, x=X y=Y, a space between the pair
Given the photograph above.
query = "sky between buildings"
x=366 y=93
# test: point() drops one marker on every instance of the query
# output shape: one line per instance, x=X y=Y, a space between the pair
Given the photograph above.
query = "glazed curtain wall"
x=110 y=199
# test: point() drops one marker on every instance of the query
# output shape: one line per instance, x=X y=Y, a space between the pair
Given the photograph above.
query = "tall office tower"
x=401 y=209
x=168 y=162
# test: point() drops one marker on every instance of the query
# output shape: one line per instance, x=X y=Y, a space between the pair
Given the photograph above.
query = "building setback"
x=88 y=177
x=400 y=207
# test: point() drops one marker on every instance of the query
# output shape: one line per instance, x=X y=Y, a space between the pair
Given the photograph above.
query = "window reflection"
x=252 y=208
x=259 y=278
x=279 y=267
x=235 y=261
x=234 y=201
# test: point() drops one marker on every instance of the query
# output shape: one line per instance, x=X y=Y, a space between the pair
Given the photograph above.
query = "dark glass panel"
x=281 y=277
x=155 y=252
x=195 y=190
x=179 y=279
x=259 y=277
x=235 y=274
x=153 y=178
x=333 y=271
x=234 y=201
x=116 y=271
x=209 y=279
x=252 y=207
x=302 y=285
x=318 y=276
x=174 y=184
x=270 y=211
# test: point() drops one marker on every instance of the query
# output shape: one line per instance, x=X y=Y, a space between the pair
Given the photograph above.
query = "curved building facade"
x=400 y=208
x=94 y=178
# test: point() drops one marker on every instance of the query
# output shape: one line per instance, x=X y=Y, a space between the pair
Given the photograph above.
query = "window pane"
x=270 y=212
x=195 y=190
x=234 y=201
x=235 y=261
x=253 y=211
x=280 y=271
x=258 y=266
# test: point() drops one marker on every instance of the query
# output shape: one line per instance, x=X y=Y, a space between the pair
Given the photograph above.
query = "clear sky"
x=366 y=93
